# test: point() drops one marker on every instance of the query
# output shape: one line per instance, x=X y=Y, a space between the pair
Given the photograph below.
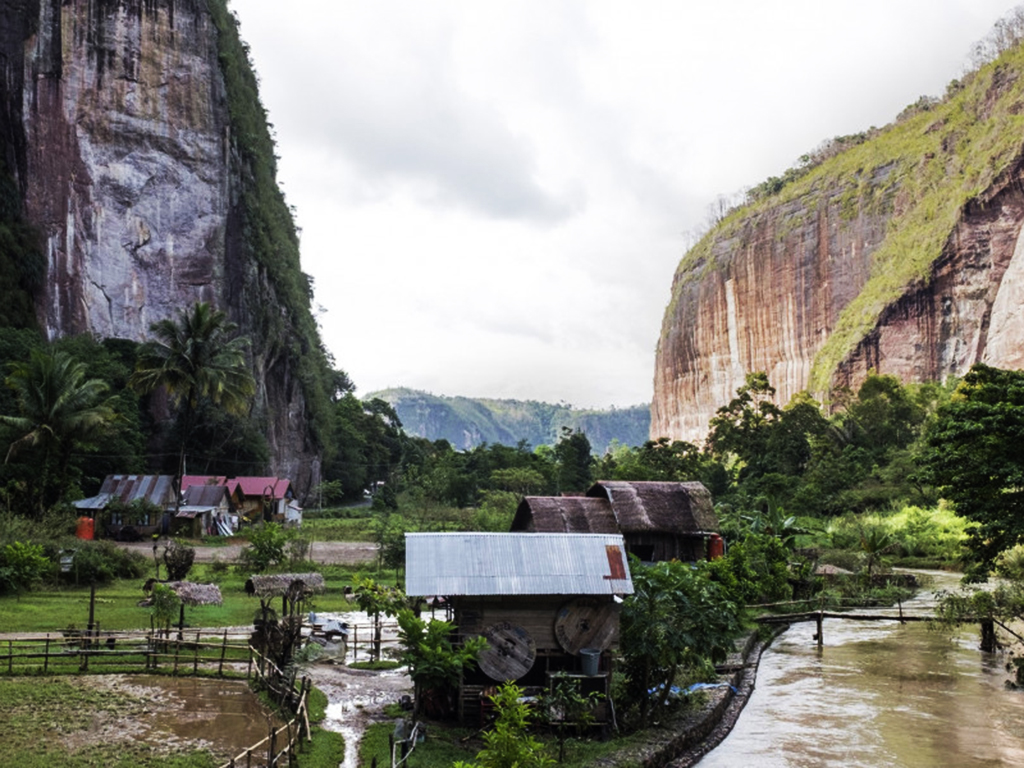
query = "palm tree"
x=196 y=359
x=60 y=410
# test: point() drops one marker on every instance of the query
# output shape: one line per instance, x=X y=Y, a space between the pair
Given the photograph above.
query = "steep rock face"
x=117 y=127
x=903 y=255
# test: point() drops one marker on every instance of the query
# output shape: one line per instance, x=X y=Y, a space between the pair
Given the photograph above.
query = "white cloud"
x=494 y=195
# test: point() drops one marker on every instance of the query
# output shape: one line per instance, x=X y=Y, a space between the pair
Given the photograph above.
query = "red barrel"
x=86 y=528
x=716 y=547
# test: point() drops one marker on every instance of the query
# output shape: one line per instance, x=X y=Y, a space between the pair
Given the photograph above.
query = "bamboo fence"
x=186 y=653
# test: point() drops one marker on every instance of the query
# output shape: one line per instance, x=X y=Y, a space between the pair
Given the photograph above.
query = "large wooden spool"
x=587 y=623
x=510 y=652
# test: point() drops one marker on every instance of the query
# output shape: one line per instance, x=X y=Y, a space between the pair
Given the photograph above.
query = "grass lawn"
x=52 y=609
x=337 y=529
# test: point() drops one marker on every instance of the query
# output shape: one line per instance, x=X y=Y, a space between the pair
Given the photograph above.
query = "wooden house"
x=548 y=605
x=205 y=509
x=261 y=498
x=127 y=525
x=657 y=520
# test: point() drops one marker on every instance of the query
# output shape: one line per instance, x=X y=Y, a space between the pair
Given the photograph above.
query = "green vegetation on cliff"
x=279 y=294
x=467 y=422
x=920 y=174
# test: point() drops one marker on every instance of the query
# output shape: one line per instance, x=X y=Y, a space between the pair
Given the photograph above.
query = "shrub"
x=101 y=562
x=266 y=548
x=20 y=566
x=178 y=558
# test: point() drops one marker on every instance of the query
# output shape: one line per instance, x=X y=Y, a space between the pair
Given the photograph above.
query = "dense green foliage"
x=278 y=294
x=507 y=743
x=60 y=410
x=435 y=662
x=468 y=422
x=975 y=457
x=200 y=362
x=677 y=618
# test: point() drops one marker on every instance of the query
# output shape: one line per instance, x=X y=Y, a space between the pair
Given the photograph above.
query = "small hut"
x=189 y=593
x=658 y=520
x=292 y=588
x=548 y=605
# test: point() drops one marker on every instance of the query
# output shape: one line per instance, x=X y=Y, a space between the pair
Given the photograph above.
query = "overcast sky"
x=493 y=196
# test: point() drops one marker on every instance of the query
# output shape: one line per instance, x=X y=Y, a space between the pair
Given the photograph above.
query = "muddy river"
x=878 y=694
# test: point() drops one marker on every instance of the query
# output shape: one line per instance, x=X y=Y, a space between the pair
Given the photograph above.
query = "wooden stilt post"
x=988 y=636
x=821 y=635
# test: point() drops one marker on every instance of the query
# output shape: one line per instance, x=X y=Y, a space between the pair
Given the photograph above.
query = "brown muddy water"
x=224 y=716
x=878 y=695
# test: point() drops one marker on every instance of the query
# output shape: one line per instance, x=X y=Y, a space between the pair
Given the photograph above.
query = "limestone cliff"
x=902 y=254
x=135 y=135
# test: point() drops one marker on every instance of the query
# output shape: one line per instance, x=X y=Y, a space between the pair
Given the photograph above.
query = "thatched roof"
x=658 y=506
x=564 y=514
x=277 y=584
x=191 y=593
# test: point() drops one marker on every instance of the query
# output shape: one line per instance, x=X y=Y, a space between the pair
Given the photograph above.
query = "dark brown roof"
x=666 y=507
x=206 y=495
x=564 y=514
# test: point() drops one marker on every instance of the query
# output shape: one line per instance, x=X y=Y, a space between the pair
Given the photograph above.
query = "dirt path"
x=357 y=699
x=327 y=552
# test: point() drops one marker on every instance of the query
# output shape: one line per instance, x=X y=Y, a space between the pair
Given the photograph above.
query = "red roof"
x=272 y=487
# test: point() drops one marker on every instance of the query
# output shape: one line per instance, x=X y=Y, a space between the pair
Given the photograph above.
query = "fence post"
x=195 y=658
x=223 y=651
x=10 y=657
x=46 y=654
x=177 y=651
x=270 y=748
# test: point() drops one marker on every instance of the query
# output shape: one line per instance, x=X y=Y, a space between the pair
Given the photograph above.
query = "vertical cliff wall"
x=901 y=254
x=135 y=135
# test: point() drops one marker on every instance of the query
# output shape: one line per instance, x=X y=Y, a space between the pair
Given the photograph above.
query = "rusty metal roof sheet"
x=158 y=489
x=516 y=564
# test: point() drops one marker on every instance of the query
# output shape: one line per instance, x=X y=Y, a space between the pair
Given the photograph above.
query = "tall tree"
x=976 y=459
x=575 y=462
x=196 y=359
x=60 y=411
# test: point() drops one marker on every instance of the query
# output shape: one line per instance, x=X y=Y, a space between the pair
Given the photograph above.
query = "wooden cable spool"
x=510 y=653
x=587 y=623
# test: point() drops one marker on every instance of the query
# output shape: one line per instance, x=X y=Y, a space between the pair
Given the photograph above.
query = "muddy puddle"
x=184 y=713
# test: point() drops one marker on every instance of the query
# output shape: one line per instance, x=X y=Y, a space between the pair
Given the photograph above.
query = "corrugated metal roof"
x=158 y=489
x=515 y=564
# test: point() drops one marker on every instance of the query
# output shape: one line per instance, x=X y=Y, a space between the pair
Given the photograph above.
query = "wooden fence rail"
x=276 y=746
x=148 y=651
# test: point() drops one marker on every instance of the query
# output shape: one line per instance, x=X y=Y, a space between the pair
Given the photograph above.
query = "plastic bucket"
x=589 y=657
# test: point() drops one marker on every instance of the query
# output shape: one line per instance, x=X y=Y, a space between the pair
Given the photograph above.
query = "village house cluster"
x=132 y=507
x=547 y=594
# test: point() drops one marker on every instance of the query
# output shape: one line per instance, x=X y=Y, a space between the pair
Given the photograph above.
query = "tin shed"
x=548 y=604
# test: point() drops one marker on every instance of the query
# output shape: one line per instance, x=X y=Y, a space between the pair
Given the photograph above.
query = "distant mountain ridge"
x=467 y=422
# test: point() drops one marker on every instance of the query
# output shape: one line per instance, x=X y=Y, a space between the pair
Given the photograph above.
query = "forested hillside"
x=467 y=422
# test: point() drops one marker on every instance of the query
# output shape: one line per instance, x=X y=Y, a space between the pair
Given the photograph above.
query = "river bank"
x=682 y=739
